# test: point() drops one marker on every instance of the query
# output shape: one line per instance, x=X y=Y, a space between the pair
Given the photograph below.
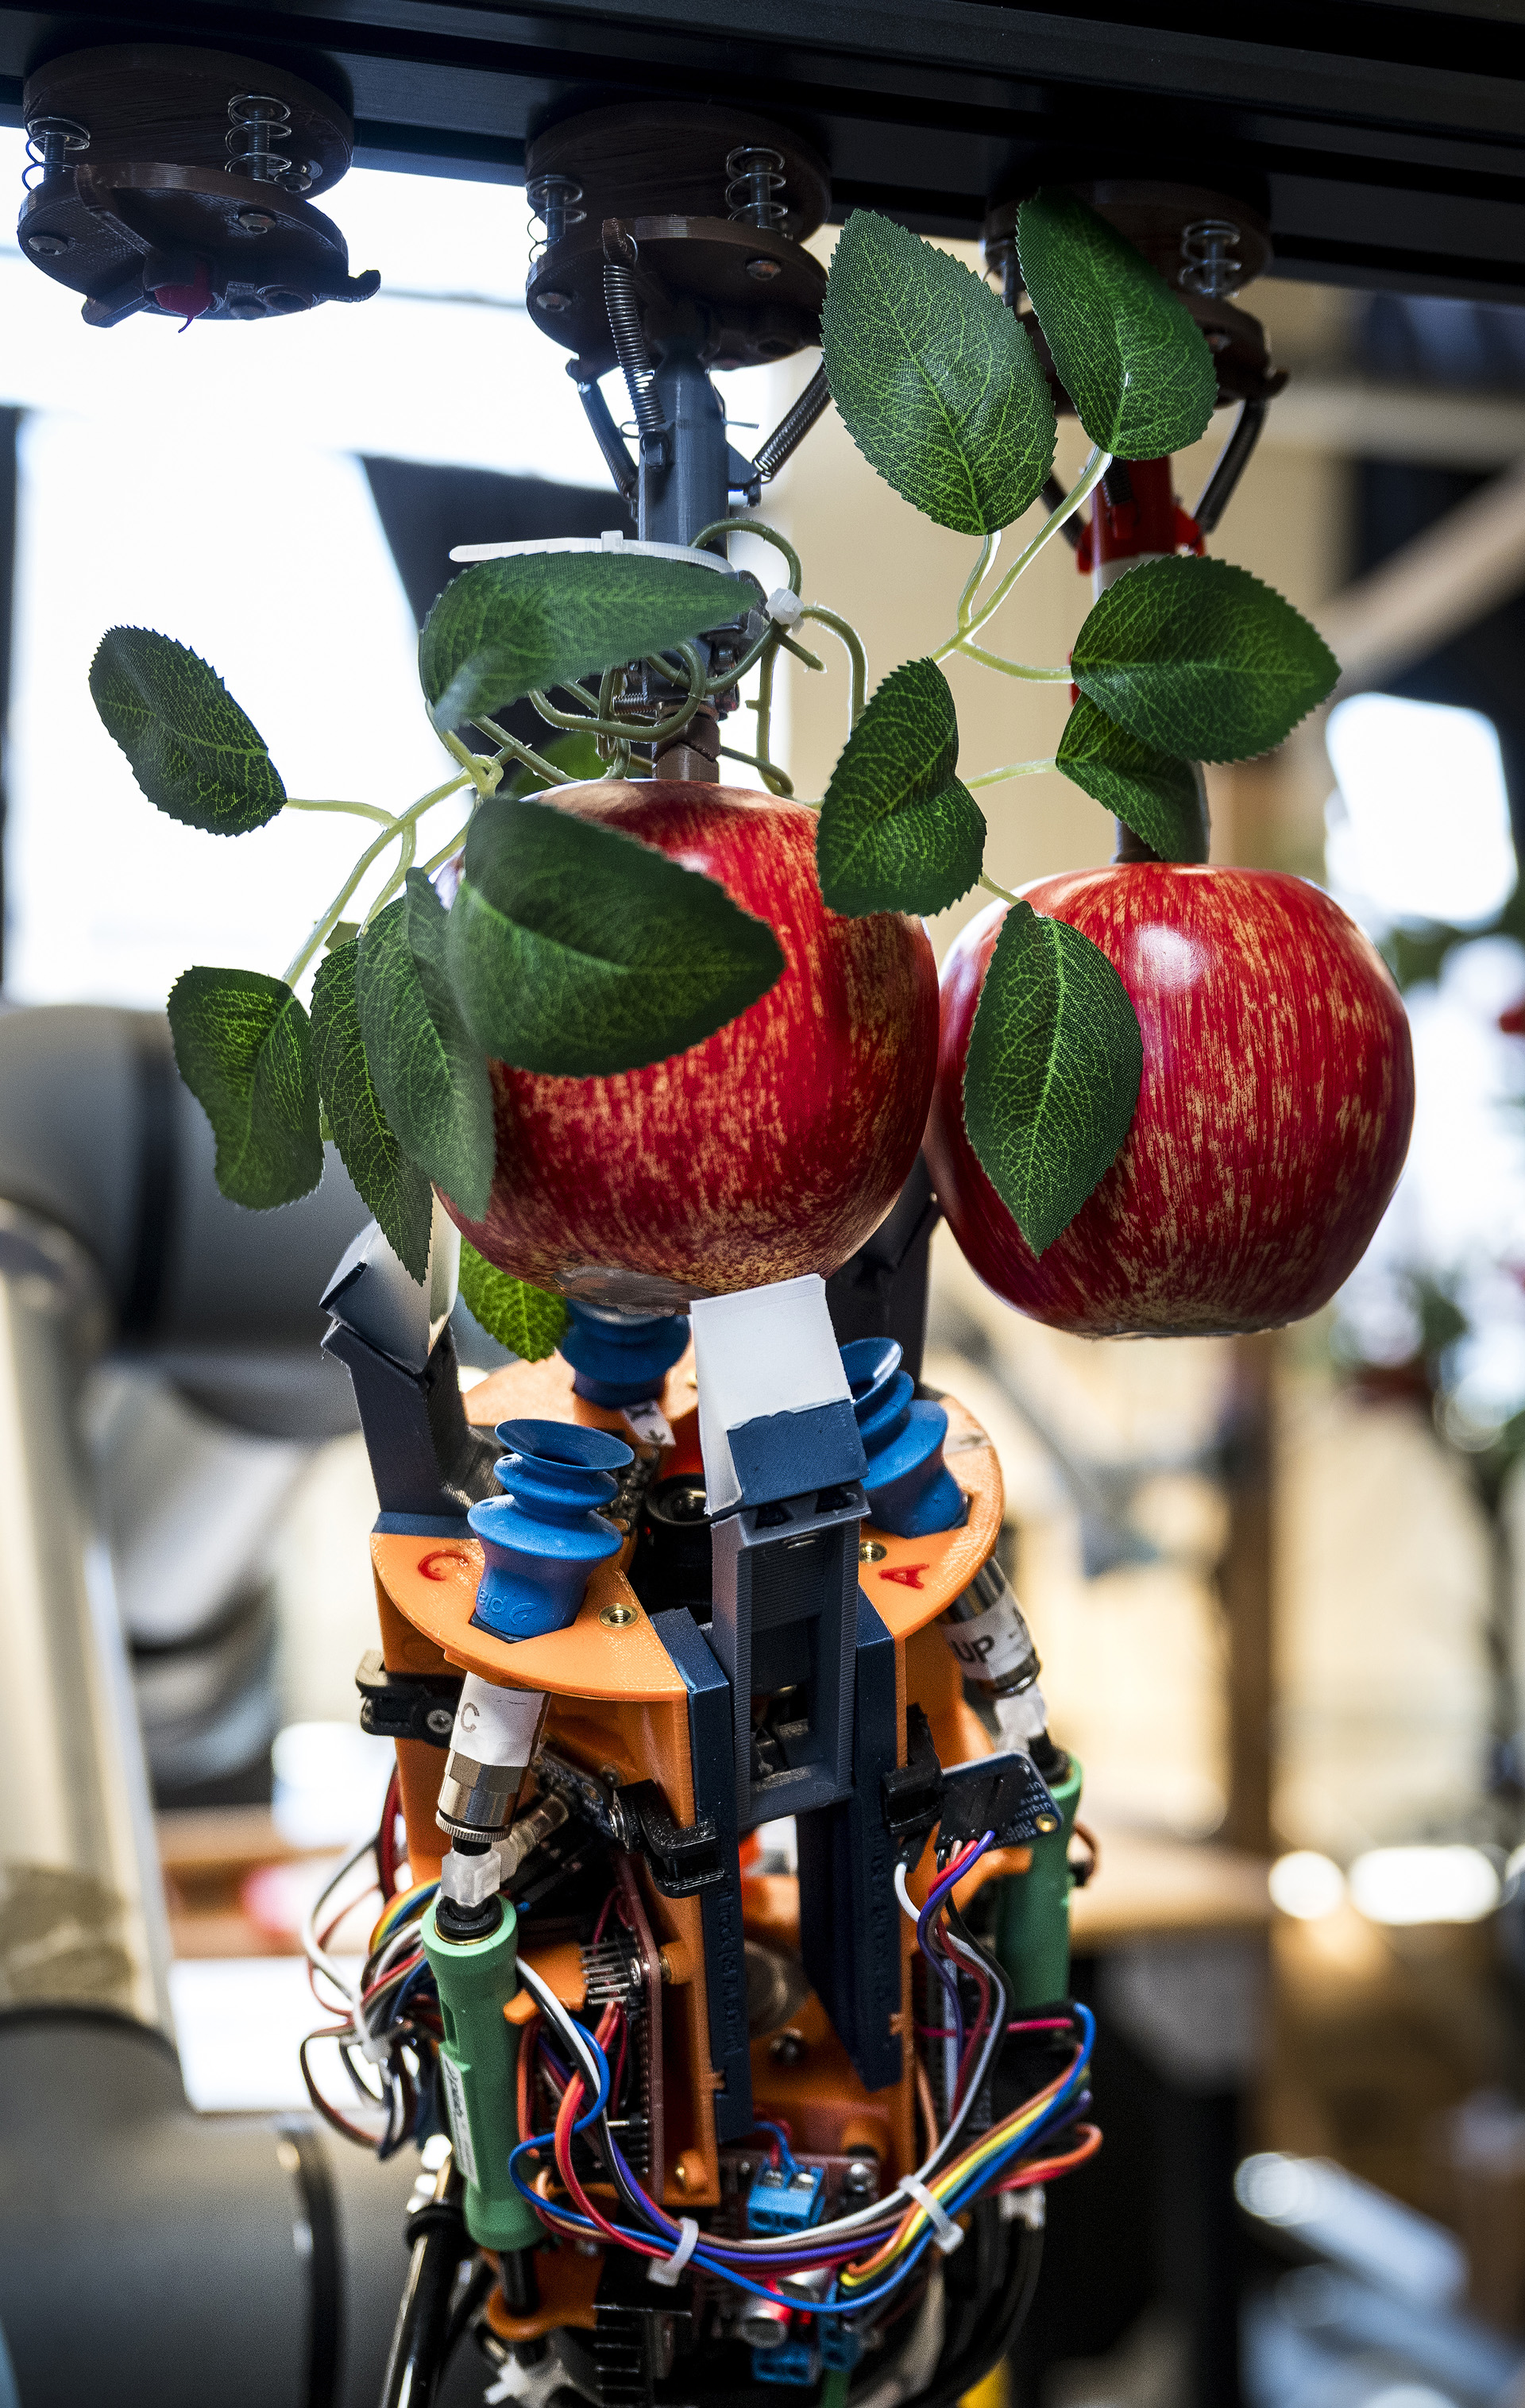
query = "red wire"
x=386 y=1837
x=329 y=2113
x=392 y=1974
x=565 y=2118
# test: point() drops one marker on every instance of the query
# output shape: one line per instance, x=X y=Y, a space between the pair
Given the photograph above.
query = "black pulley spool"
x=672 y=1563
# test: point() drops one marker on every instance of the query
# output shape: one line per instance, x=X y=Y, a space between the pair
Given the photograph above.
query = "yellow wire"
x=391 y=1915
x=992 y=2144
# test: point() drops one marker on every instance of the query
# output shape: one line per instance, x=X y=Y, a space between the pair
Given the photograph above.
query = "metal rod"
x=1231 y=463
x=610 y=442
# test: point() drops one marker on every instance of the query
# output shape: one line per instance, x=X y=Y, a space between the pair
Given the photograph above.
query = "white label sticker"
x=995 y=1643
x=494 y=1725
x=455 y=2107
x=650 y=1423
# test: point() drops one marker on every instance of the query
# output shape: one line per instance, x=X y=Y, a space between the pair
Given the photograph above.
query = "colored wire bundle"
x=391 y=2029
x=390 y=2018
x=859 y=2261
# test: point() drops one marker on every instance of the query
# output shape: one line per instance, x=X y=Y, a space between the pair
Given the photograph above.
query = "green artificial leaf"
x=395 y=1188
x=1200 y=660
x=1128 y=351
x=191 y=748
x=575 y=752
x=244 y=1049
x=578 y=951
x=1160 y=799
x=935 y=381
x=522 y=1318
x=509 y=627
x=897 y=831
x=1055 y=1058
x=430 y=1076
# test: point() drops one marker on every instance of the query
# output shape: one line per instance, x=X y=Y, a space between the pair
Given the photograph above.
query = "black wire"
x=972 y=2368
x=478 y=2285
x=1001 y=2006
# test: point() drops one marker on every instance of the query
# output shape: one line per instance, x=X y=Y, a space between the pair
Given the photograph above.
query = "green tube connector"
x=478 y=2070
x=1033 y=1911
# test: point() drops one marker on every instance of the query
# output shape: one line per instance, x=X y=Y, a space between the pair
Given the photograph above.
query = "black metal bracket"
x=1004 y=1794
x=683 y=1857
x=911 y=1794
x=407 y=1705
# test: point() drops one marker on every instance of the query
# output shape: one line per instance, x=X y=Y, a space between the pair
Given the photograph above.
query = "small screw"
x=871 y=1552
x=620 y=1617
x=256 y=220
x=787 y=2048
x=48 y=246
x=440 y=1720
x=553 y=303
x=681 y=2175
x=763 y=271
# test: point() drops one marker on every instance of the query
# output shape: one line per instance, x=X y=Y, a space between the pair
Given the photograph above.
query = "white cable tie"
x=949 y=2235
x=784 y=606
x=667 y=2270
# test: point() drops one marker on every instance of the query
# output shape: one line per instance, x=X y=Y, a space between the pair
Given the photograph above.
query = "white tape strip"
x=667 y=2270
x=949 y=2235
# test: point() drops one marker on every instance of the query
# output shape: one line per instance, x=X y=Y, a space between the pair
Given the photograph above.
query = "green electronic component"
x=478 y=2070
x=1033 y=1911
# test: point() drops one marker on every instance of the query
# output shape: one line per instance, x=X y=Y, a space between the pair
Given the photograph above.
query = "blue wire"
x=1061 y=2107
x=979 y=2179
x=423 y=1973
x=948 y=1974
x=780 y=2135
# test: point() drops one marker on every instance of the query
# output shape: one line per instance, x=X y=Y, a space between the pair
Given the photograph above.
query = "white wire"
x=571 y=2031
x=889 y=2208
x=881 y=2211
x=312 y=1947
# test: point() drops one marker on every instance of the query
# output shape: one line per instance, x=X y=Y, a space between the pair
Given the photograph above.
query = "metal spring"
x=792 y=427
x=51 y=143
x=756 y=176
x=553 y=201
x=629 y=343
x=264 y=120
x=1210 y=250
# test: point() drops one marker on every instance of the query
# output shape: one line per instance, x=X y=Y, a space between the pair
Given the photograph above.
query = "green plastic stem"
x=480 y=2076
x=1033 y=1912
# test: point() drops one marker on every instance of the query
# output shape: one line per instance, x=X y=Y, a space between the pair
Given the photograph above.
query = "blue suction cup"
x=543 y=1539
x=910 y=1491
x=621 y=1358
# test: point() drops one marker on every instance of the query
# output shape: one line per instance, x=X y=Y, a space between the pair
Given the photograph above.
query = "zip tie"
x=667 y=2270
x=948 y=2234
x=784 y=607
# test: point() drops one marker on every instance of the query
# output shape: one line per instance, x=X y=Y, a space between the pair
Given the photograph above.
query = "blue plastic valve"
x=621 y=1358
x=543 y=1539
x=910 y=1491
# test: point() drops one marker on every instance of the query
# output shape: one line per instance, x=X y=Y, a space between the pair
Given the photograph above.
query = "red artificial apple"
x=1273 y=1115
x=774 y=1148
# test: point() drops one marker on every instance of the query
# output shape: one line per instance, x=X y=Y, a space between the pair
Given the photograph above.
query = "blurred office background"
x=1278 y=1583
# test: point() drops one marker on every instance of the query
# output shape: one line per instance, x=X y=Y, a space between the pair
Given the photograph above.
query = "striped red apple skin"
x=1273 y=1116
x=774 y=1148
